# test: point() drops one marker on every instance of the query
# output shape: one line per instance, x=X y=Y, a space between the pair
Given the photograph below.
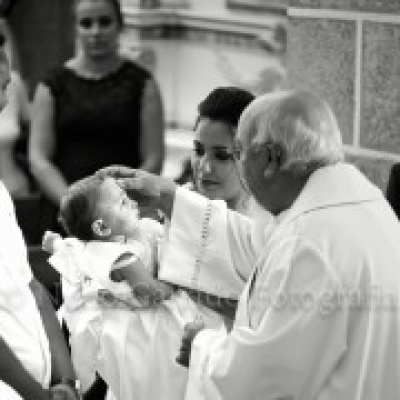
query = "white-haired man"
x=33 y=352
x=319 y=316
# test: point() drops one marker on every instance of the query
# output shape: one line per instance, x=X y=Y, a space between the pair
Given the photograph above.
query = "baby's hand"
x=50 y=240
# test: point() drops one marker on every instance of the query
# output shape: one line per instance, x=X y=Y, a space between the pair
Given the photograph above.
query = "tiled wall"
x=193 y=51
x=348 y=52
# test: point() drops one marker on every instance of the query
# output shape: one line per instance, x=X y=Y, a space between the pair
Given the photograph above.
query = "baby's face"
x=116 y=209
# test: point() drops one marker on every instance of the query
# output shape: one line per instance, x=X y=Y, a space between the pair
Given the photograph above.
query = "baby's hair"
x=78 y=207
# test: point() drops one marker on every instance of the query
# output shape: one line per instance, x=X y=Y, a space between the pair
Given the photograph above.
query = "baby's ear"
x=100 y=229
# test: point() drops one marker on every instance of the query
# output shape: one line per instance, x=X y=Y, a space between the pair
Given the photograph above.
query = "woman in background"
x=148 y=341
x=33 y=353
x=14 y=121
x=95 y=110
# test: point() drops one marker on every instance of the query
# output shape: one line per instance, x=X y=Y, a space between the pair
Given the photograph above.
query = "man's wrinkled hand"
x=149 y=190
x=141 y=185
x=117 y=171
x=191 y=330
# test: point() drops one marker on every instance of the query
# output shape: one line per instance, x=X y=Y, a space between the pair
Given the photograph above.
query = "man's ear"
x=272 y=165
x=100 y=229
x=268 y=156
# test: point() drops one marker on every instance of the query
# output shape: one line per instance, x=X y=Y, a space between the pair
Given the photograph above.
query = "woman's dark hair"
x=116 y=6
x=2 y=40
x=225 y=104
x=393 y=188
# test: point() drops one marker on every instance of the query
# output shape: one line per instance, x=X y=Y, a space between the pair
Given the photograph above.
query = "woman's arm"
x=61 y=365
x=42 y=146
x=152 y=134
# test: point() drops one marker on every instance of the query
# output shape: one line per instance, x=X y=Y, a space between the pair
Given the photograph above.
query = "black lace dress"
x=97 y=121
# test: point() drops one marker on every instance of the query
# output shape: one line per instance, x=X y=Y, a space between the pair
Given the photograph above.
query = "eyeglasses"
x=103 y=21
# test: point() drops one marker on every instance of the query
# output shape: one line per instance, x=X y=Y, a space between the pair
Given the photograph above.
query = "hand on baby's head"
x=142 y=186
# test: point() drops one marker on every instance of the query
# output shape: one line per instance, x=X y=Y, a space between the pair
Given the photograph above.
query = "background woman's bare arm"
x=42 y=144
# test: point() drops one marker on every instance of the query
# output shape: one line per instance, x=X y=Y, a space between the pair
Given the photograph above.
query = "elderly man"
x=319 y=316
x=33 y=352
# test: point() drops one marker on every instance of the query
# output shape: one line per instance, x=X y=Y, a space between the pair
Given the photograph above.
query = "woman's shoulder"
x=56 y=77
x=132 y=68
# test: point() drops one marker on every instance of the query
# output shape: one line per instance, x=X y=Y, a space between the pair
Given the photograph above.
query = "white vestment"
x=20 y=321
x=8 y=393
x=319 y=317
x=134 y=351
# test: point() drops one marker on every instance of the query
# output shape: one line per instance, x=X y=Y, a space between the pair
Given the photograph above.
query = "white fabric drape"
x=319 y=316
x=134 y=351
x=20 y=321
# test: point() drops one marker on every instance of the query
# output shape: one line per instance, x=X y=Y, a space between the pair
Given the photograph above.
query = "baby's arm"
x=145 y=287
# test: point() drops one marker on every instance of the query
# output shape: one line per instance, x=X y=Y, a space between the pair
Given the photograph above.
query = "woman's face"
x=214 y=171
x=97 y=27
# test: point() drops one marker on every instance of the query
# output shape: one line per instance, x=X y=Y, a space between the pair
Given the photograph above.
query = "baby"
x=108 y=266
x=114 y=244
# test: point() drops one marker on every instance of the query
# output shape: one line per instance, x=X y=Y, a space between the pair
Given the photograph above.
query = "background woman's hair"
x=116 y=6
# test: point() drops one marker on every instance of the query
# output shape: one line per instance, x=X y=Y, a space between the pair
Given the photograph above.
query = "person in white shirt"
x=12 y=119
x=33 y=353
x=319 y=317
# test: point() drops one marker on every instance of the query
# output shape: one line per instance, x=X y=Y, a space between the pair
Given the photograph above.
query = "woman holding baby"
x=130 y=344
